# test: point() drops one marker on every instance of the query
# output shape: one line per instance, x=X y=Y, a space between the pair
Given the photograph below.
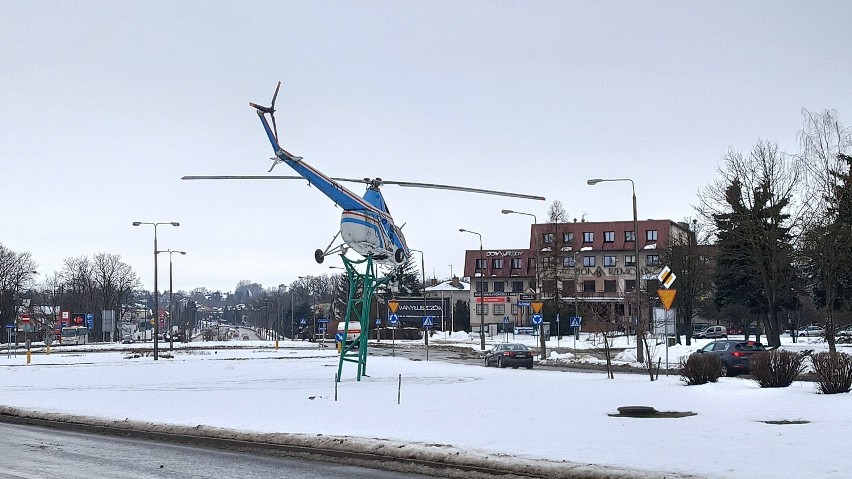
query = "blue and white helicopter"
x=366 y=225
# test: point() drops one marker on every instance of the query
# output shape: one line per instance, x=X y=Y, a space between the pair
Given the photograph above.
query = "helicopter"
x=366 y=225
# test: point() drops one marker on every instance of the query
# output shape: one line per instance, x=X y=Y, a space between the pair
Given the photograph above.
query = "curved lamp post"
x=639 y=325
x=156 y=293
x=537 y=276
x=482 y=305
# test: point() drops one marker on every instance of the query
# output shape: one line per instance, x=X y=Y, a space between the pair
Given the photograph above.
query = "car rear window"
x=750 y=346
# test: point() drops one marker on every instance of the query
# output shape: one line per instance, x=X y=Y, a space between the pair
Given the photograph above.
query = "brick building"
x=580 y=263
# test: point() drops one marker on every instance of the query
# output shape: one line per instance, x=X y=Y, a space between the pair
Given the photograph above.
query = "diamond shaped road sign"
x=666 y=277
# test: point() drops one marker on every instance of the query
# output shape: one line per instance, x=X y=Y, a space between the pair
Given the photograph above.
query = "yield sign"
x=393 y=304
x=536 y=307
x=667 y=296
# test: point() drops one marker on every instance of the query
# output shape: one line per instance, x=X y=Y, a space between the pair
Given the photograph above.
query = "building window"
x=652 y=260
x=483 y=285
x=629 y=260
x=568 y=237
x=517 y=263
x=481 y=309
x=588 y=261
x=514 y=309
x=588 y=237
x=629 y=236
x=500 y=309
x=651 y=235
x=609 y=261
x=609 y=236
x=589 y=286
x=499 y=286
x=531 y=263
x=568 y=262
x=609 y=286
x=630 y=285
x=547 y=262
x=547 y=238
x=497 y=263
x=517 y=286
x=480 y=264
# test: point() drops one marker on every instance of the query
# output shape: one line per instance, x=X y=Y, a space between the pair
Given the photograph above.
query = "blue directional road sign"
x=427 y=321
x=576 y=321
x=524 y=303
x=536 y=319
x=90 y=320
x=10 y=326
x=322 y=320
x=393 y=318
x=338 y=337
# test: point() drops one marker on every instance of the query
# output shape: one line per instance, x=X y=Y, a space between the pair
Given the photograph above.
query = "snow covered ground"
x=451 y=408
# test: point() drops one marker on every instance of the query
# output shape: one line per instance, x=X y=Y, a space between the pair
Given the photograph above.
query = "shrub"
x=777 y=368
x=834 y=372
x=700 y=369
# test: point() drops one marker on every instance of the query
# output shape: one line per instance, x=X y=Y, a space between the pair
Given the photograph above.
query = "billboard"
x=411 y=311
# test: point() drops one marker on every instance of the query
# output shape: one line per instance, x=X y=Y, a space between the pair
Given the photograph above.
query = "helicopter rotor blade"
x=257 y=177
x=411 y=184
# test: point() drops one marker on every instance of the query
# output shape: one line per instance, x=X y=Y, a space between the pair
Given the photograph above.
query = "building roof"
x=449 y=286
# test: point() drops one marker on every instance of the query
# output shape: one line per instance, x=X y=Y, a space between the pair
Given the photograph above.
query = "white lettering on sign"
x=503 y=253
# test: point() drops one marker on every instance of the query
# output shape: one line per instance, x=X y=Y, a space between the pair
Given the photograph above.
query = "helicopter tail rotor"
x=270 y=110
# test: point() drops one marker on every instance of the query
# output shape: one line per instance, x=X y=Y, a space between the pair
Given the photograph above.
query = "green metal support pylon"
x=361 y=289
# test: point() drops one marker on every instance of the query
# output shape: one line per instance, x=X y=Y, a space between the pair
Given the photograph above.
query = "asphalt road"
x=35 y=452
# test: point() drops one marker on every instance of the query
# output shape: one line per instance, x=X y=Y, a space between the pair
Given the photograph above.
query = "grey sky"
x=105 y=105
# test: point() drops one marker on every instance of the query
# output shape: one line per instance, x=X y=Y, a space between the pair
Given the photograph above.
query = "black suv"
x=733 y=353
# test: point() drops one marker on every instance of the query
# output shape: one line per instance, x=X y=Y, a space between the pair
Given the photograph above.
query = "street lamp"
x=640 y=355
x=537 y=275
x=171 y=293
x=423 y=270
x=482 y=305
x=292 y=314
x=156 y=293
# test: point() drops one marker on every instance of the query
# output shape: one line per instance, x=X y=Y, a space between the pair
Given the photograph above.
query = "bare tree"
x=17 y=272
x=824 y=244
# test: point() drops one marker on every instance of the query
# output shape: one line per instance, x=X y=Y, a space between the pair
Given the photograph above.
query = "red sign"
x=493 y=299
x=25 y=318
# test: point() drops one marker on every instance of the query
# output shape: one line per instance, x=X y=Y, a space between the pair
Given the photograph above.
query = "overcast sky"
x=105 y=105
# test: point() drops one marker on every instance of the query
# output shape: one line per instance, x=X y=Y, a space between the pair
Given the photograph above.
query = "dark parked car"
x=509 y=354
x=733 y=353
